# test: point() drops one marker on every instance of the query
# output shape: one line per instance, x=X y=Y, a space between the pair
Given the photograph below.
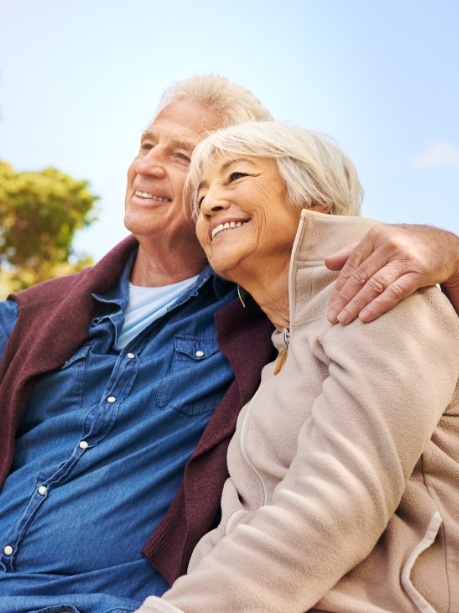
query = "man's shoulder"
x=49 y=291
x=97 y=278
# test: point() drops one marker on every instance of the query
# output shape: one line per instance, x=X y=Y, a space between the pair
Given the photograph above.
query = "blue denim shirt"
x=101 y=451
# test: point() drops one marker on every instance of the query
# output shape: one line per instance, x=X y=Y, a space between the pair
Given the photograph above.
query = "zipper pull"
x=282 y=353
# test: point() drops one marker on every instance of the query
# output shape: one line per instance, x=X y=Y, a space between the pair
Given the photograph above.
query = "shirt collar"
x=119 y=294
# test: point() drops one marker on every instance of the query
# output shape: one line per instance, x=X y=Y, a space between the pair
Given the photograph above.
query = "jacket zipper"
x=282 y=353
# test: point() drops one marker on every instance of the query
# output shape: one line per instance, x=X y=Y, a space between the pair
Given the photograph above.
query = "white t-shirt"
x=147 y=304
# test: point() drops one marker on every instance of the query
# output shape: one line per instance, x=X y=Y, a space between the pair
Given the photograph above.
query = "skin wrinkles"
x=254 y=248
x=249 y=190
x=204 y=184
x=181 y=147
x=154 y=208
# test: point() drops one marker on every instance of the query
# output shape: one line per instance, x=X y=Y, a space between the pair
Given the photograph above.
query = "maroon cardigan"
x=53 y=322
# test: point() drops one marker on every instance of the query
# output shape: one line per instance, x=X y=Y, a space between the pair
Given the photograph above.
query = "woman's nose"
x=213 y=201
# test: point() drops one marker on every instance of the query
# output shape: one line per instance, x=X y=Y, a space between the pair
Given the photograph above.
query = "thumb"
x=336 y=261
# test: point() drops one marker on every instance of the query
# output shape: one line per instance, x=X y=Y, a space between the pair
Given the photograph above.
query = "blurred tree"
x=39 y=215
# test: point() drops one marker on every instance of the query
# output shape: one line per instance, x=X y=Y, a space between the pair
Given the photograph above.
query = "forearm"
x=450 y=282
x=283 y=557
x=451 y=289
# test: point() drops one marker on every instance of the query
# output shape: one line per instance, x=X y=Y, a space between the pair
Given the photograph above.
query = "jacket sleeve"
x=388 y=384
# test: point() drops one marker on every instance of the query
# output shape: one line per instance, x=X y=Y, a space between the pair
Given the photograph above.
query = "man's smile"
x=148 y=196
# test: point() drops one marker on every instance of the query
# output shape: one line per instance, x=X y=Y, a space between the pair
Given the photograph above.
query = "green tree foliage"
x=39 y=215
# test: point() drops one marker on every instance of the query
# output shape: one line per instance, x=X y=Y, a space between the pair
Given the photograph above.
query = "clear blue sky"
x=80 y=80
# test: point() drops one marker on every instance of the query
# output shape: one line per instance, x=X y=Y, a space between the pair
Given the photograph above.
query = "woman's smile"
x=244 y=198
x=227 y=225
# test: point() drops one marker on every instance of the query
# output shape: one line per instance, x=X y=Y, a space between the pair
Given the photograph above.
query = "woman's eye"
x=234 y=176
x=199 y=200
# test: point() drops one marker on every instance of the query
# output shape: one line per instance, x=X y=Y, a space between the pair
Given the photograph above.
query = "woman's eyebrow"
x=224 y=167
x=227 y=164
x=201 y=185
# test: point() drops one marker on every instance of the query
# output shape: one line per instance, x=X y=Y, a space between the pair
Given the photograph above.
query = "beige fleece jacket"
x=343 y=493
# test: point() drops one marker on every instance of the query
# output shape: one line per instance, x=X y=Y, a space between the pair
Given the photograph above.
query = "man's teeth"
x=151 y=197
x=229 y=225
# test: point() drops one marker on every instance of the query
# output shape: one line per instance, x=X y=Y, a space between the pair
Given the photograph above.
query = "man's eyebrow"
x=146 y=134
x=175 y=143
x=183 y=144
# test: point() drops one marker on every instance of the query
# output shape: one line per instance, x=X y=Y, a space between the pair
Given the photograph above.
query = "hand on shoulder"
x=389 y=264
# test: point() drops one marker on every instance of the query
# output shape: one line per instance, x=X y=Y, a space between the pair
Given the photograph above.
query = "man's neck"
x=159 y=269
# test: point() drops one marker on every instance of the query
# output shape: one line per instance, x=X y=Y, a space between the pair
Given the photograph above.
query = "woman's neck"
x=269 y=288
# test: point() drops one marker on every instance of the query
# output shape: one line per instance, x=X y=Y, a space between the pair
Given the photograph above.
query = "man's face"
x=154 y=196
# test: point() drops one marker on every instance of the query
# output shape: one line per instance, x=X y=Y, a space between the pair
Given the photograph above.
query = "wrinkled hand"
x=389 y=264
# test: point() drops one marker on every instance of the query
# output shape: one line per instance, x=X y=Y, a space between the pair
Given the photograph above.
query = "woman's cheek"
x=198 y=228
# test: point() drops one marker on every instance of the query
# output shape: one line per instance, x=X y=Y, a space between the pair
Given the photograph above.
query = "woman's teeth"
x=229 y=225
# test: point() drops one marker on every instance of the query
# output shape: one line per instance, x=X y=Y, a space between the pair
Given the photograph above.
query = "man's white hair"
x=233 y=102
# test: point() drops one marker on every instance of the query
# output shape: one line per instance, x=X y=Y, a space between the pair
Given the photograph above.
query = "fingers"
x=380 y=294
x=349 y=296
x=389 y=264
x=392 y=295
x=361 y=280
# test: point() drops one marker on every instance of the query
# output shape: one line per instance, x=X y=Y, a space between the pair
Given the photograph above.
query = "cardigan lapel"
x=52 y=323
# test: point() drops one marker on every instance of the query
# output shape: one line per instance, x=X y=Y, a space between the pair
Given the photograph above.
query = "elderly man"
x=120 y=386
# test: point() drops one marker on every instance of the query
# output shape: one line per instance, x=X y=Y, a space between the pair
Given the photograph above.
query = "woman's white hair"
x=235 y=103
x=315 y=170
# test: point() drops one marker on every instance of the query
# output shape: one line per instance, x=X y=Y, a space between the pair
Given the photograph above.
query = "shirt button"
x=111 y=399
x=84 y=444
x=42 y=490
x=199 y=354
x=8 y=550
x=131 y=356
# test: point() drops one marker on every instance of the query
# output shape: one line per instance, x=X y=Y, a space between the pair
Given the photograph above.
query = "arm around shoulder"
x=451 y=288
x=389 y=264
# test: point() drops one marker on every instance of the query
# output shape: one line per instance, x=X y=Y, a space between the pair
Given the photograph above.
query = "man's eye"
x=183 y=158
x=234 y=176
x=146 y=146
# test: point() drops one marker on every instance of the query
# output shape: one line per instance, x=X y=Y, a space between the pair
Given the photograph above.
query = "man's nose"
x=151 y=164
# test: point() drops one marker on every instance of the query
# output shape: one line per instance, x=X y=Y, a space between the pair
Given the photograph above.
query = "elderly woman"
x=344 y=470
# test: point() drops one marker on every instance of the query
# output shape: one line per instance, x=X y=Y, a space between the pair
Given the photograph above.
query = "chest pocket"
x=198 y=377
x=62 y=388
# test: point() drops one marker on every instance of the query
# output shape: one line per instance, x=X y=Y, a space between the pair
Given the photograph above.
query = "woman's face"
x=244 y=221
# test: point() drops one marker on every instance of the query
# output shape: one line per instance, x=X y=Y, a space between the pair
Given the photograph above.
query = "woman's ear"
x=321 y=208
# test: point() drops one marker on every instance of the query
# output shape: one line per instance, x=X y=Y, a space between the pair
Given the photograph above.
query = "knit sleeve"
x=8 y=317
